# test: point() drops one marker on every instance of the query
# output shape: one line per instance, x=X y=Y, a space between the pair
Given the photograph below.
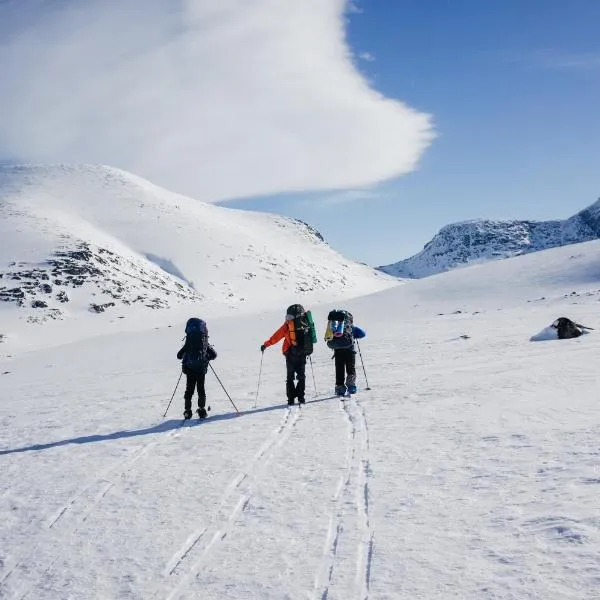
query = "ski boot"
x=291 y=402
x=202 y=414
x=352 y=389
x=301 y=401
x=340 y=390
x=187 y=414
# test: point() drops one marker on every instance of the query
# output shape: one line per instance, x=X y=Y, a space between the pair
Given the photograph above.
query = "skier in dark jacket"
x=340 y=336
x=194 y=356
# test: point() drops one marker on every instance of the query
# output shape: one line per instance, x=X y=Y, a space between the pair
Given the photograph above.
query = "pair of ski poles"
x=259 y=378
x=218 y=379
x=313 y=373
x=262 y=355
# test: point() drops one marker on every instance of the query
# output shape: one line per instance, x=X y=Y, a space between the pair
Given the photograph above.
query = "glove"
x=263 y=348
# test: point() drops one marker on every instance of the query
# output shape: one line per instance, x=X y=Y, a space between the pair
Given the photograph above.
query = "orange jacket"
x=283 y=333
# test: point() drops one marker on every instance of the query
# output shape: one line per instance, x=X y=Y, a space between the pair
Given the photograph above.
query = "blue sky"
x=514 y=90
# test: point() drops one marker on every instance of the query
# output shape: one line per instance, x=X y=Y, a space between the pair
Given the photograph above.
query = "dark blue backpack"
x=344 y=338
x=195 y=357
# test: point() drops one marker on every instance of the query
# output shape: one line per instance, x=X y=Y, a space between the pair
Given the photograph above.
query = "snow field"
x=470 y=470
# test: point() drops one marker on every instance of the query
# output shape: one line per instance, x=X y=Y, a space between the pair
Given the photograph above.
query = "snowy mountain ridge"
x=482 y=240
x=79 y=240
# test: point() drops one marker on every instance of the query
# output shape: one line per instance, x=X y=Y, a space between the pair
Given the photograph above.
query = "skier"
x=194 y=356
x=340 y=335
x=298 y=335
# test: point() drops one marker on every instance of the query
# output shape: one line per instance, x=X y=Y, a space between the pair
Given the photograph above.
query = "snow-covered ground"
x=470 y=470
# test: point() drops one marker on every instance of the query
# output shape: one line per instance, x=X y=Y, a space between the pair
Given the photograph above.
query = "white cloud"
x=569 y=61
x=349 y=196
x=353 y=7
x=216 y=98
x=559 y=60
x=367 y=56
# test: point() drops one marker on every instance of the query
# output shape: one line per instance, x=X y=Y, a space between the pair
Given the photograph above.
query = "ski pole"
x=363 y=365
x=230 y=400
x=173 y=395
x=313 y=374
x=262 y=355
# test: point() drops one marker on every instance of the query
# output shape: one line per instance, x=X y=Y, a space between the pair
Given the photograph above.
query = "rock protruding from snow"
x=468 y=242
x=91 y=272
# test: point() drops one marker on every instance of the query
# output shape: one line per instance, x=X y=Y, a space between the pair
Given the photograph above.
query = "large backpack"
x=196 y=346
x=339 y=329
x=566 y=328
x=301 y=327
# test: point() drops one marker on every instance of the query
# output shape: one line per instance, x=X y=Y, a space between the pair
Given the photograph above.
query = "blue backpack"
x=196 y=346
x=340 y=323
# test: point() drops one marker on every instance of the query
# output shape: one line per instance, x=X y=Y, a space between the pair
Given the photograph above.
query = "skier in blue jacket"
x=340 y=336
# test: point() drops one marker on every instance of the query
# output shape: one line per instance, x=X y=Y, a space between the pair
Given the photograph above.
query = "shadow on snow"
x=163 y=427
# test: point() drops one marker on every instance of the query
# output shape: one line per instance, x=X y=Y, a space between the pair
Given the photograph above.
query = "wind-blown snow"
x=468 y=471
x=216 y=99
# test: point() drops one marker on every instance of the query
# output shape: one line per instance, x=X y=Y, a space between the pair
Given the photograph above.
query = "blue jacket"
x=358 y=333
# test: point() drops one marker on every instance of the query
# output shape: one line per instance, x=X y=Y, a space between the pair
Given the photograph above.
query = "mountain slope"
x=459 y=244
x=77 y=240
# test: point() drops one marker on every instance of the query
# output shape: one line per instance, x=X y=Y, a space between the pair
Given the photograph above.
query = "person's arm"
x=211 y=353
x=182 y=351
x=277 y=336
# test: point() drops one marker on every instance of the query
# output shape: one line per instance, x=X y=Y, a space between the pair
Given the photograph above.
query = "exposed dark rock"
x=16 y=295
x=98 y=308
x=106 y=273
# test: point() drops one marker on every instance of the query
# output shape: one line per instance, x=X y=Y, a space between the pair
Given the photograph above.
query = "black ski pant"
x=195 y=379
x=345 y=366
x=296 y=368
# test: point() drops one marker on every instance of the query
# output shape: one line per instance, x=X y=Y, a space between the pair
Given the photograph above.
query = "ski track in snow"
x=353 y=491
x=191 y=556
x=76 y=511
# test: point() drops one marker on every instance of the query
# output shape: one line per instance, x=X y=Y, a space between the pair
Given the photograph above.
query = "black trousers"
x=296 y=368
x=195 y=379
x=345 y=366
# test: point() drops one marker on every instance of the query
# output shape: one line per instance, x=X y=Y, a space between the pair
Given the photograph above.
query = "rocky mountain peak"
x=467 y=242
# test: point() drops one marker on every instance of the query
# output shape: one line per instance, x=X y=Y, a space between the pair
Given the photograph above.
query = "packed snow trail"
x=233 y=502
x=350 y=514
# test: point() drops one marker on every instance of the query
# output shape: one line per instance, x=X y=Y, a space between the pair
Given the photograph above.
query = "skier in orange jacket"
x=295 y=351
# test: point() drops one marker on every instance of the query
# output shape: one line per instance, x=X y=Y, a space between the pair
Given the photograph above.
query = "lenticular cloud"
x=218 y=99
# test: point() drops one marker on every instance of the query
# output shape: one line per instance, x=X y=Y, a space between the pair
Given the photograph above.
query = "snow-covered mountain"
x=77 y=241
x=459 y=244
